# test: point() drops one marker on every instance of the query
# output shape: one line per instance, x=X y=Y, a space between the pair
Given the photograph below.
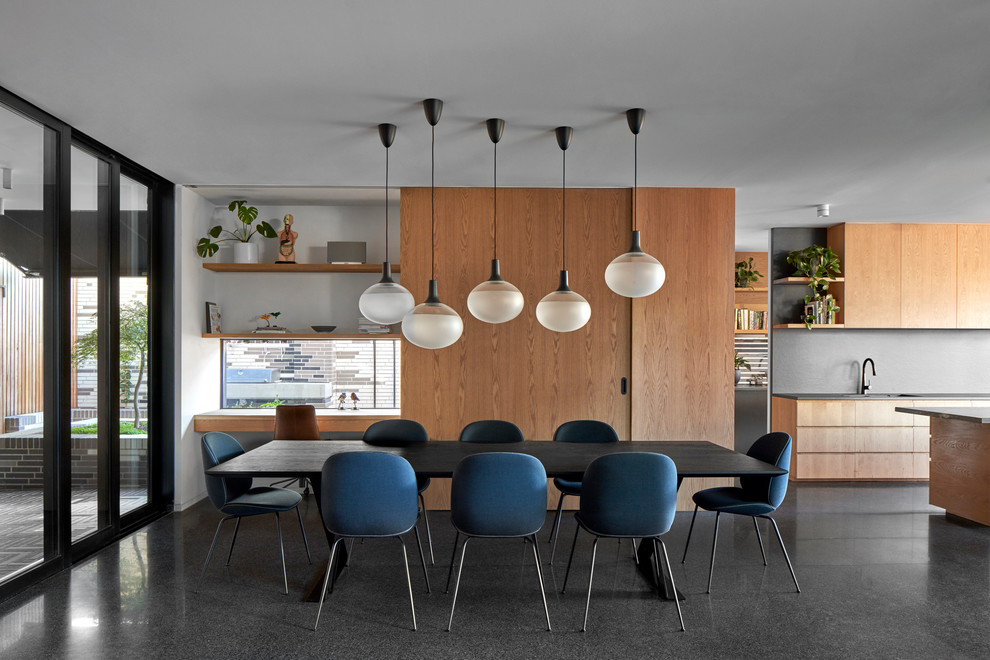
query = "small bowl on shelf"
x=323 y=328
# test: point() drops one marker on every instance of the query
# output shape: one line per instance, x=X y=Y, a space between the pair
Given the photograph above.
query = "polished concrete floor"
x=882 y=574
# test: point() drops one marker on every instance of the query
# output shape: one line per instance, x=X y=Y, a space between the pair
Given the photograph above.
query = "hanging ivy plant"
x=819 y=264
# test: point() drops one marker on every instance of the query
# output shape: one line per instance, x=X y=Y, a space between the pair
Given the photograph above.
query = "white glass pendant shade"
x=563 y=310
x=386 y=302
x=495 y=300
x=431 y=324
x=635 y=274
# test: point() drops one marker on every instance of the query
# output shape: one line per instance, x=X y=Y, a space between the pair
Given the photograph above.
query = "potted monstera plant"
x=245 y=252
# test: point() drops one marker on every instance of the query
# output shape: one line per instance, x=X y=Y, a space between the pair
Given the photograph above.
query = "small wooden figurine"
x=354 y=399
x=287 y=242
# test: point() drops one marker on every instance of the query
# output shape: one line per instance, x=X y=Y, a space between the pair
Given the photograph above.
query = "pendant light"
x=386 y=302
x=495 y=300
x=563 y=310
x=635 y=274
x=431 y=324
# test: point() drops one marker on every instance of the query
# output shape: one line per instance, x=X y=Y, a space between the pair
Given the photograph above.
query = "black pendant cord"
x=433 y=205
x=563 y=212
x=495 y=202
x=635 y=175
x=386 y=203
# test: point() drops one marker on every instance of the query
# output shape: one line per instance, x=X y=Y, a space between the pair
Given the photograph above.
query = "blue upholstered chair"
x=235 y=497
x=630 y=495
x=491 y=431
x=581 y=430
x=498 y=495
x=369 y=494
x=757 y=497
x=402 y=433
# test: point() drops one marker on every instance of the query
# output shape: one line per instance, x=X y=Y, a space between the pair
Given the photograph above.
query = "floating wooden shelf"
x=297 y=268
x=755 y=289
x=804 y=280
x=784 y=326
x=286 y=336
x=751 y=332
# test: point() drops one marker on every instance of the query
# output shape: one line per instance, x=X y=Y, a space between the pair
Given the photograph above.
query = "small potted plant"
x=819 y=264
x=746 y=274
x=245 y=252
x=740 y=362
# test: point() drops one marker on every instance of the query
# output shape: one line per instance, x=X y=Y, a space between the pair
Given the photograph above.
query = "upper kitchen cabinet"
x=973 y=259
x=870 y=255
x=928 y=276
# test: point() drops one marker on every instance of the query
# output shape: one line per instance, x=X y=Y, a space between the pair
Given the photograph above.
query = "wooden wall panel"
x=973 y=273
x=518 y=371
x=21 y=343
x=928 y=276
x=682 y=337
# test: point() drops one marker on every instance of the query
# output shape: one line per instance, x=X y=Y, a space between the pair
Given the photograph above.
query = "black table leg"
x=311 y=594
x=646 y=557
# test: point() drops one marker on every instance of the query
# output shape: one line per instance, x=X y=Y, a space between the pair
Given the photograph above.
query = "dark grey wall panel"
x=908 y=361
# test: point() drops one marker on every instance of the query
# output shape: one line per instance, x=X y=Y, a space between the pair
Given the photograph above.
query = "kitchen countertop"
x=878 y=396
x=977 y=415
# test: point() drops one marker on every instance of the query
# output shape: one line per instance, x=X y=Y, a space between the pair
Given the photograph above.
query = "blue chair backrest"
x=395 y=433
x=629 y=494
x=773 y=448
x=368 y=493
x=491 y=431
x=499 y=494
x=218 y=448
x=585 y=430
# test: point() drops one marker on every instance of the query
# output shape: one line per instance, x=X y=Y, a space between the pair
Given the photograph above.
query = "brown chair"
x=296 y=422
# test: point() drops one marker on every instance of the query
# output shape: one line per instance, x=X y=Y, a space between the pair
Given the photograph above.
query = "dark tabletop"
x=288 y=458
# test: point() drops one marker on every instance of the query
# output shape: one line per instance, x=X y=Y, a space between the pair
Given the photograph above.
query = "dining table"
x=567 y=460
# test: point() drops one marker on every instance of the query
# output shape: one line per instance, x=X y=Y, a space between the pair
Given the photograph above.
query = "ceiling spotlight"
x=823 y=210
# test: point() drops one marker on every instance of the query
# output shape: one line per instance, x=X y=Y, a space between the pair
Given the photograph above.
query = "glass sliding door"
x=133 y=412
x=26 y=493
x=89 y=434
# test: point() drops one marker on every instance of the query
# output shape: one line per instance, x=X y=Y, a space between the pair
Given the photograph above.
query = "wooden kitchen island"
x=959 y=480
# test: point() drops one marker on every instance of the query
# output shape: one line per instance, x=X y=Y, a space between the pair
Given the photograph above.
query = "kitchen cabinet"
x=856 y=440
x=973 y=272
x=928 y=276
x=870 y=257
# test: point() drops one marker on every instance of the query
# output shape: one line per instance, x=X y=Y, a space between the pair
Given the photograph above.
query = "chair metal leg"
x=632 y=543
x=405 y=558
x=786 y=558
x=213 y=545
x=759 y=537
x=539 y=573
x=237 y=526
x=429 y=536
x=303 y=530
x=570 y=559
x=690 y=529
x=556 y=526
x=711 y=568
x=422 y=559
x=457 y=584
x=326 y=580
x=350 y=553
x=281 y=549
x=453 y=555
x=591 y=577
x=666 y=560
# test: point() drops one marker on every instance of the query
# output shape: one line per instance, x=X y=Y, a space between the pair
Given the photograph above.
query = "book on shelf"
x=271 y=331
x=367 y=327
x=751 y=319
x=818 y=312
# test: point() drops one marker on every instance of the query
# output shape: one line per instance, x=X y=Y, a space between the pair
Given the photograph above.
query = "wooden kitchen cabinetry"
x=856 y=439
x=928 y=276
x=973 y=273
x=870 y=258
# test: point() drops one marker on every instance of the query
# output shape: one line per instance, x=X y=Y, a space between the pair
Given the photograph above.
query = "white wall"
x=306 y=299
x=197 y=381
x=303 y=298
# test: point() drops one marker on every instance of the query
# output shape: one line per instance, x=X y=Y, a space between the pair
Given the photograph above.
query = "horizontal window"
x=360 y=374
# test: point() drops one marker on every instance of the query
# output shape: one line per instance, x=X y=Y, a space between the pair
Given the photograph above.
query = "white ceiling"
x=879 y=107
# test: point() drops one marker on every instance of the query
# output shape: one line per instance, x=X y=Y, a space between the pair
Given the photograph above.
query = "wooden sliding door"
x=518 y=371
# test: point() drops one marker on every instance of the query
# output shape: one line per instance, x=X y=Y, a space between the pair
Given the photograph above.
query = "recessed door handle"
x=622 y=386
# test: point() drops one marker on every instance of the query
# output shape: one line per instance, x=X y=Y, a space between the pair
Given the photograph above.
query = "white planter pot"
x=245 y=253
